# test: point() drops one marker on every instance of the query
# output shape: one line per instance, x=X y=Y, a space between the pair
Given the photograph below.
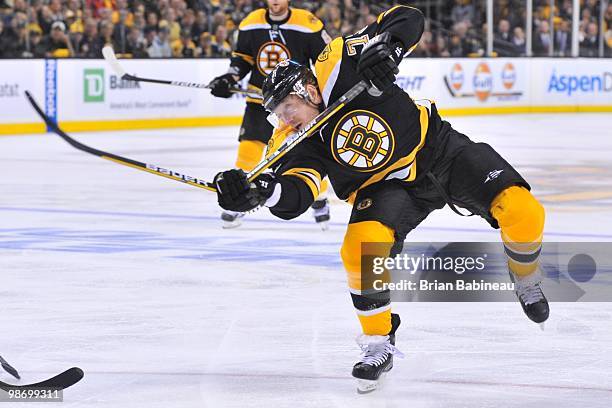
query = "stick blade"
x=111 y=58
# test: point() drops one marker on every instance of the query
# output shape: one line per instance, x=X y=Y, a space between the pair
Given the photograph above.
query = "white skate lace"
x=529 y=293
x=375 y=354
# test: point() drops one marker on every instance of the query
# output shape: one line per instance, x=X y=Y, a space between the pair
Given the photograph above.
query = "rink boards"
x=86 y=95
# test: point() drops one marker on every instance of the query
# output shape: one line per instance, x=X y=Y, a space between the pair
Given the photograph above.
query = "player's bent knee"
x=249 y=154
x=351 y=251
x=519 y=214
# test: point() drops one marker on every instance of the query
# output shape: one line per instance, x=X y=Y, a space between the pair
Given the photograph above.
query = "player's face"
x=278 y=7
x=295 y=111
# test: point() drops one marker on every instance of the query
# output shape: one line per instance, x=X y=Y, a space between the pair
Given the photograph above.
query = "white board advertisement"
x=16 y=77
x=89 y=90
x=580 y=82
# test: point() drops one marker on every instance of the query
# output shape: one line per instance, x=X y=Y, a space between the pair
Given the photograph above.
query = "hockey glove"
x=376 y=63
x=221 y=85
x=235 y=193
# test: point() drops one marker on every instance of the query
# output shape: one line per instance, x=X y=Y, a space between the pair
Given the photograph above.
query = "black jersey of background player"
x=372 y=138
x=263 y=43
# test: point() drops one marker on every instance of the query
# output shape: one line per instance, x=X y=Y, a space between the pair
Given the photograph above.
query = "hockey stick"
x=59 y=382
x=288 y=144
x=111 y=58
x=151 y=168
x=9 y=368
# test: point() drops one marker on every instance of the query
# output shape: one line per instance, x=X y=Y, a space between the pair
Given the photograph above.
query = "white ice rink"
x=130 y=277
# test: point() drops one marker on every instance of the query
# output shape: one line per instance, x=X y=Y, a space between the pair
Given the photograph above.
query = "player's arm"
x=241 y=64
x=288 y=191
x=394 y=34
x=405 y=25
x=242 y=59
x=317 y=42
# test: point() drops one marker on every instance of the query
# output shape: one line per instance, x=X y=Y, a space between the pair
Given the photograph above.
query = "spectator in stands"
x=174 y=28
x=135 y=44
x=563 y=39
x=518 y=39
x=220 y=46
x=463 y=11
x=424 y=47
x=200 y=25
x=120 y=32
x=160 y=47
x=106 y=33
x=589 y=43
x=441 y=49
x=541 y=40
x=205 y=46
x=503 y=44
x=36 y=49
x=188 y=20
x=57 y=43
x=45 y=19
x=55 y=7
x=152 y=21
x=91 y=43
x=184 y=47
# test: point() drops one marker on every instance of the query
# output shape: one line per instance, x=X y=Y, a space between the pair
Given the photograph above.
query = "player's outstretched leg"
x=521 y=219
x=376 y=358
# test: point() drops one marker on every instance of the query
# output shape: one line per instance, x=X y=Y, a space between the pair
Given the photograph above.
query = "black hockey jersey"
x=372 y=138
x=262 y=43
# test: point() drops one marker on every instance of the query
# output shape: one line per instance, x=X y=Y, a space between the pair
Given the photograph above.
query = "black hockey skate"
x=529 y=293
x=320 y=209
x=377 y=358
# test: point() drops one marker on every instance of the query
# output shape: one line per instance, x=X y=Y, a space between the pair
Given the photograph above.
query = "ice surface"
x=130 y=277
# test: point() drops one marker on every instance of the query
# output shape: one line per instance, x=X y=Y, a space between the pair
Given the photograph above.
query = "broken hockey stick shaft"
x=9 y=368
x=151 y=168
x=111 y=59
x=287 y=145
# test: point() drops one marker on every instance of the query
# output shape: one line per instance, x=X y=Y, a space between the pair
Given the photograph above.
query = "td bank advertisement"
x=98 y=93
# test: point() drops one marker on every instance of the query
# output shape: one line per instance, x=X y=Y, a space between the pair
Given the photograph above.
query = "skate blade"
x=542 y=326
x=367 y=386
x=232 y=224
x=324 y=225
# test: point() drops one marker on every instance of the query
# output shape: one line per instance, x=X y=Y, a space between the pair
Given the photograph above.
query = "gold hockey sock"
x=521 y=219
x=373 y=308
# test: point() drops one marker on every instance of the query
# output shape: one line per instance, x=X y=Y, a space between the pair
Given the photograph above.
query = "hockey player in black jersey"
x=266 y=37
x=396 y=161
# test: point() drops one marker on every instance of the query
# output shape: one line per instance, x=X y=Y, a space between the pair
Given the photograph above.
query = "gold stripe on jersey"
x=311 y=177
x=404 y=161
x=255 y=19
x=247 y=58
x=303 y=21
x=327 y=67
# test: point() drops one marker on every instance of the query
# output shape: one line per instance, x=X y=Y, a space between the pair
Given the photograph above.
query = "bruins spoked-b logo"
x=270 y=54
x=362 y=140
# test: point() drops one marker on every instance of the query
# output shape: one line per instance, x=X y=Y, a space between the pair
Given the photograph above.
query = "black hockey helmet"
x=288 y=77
